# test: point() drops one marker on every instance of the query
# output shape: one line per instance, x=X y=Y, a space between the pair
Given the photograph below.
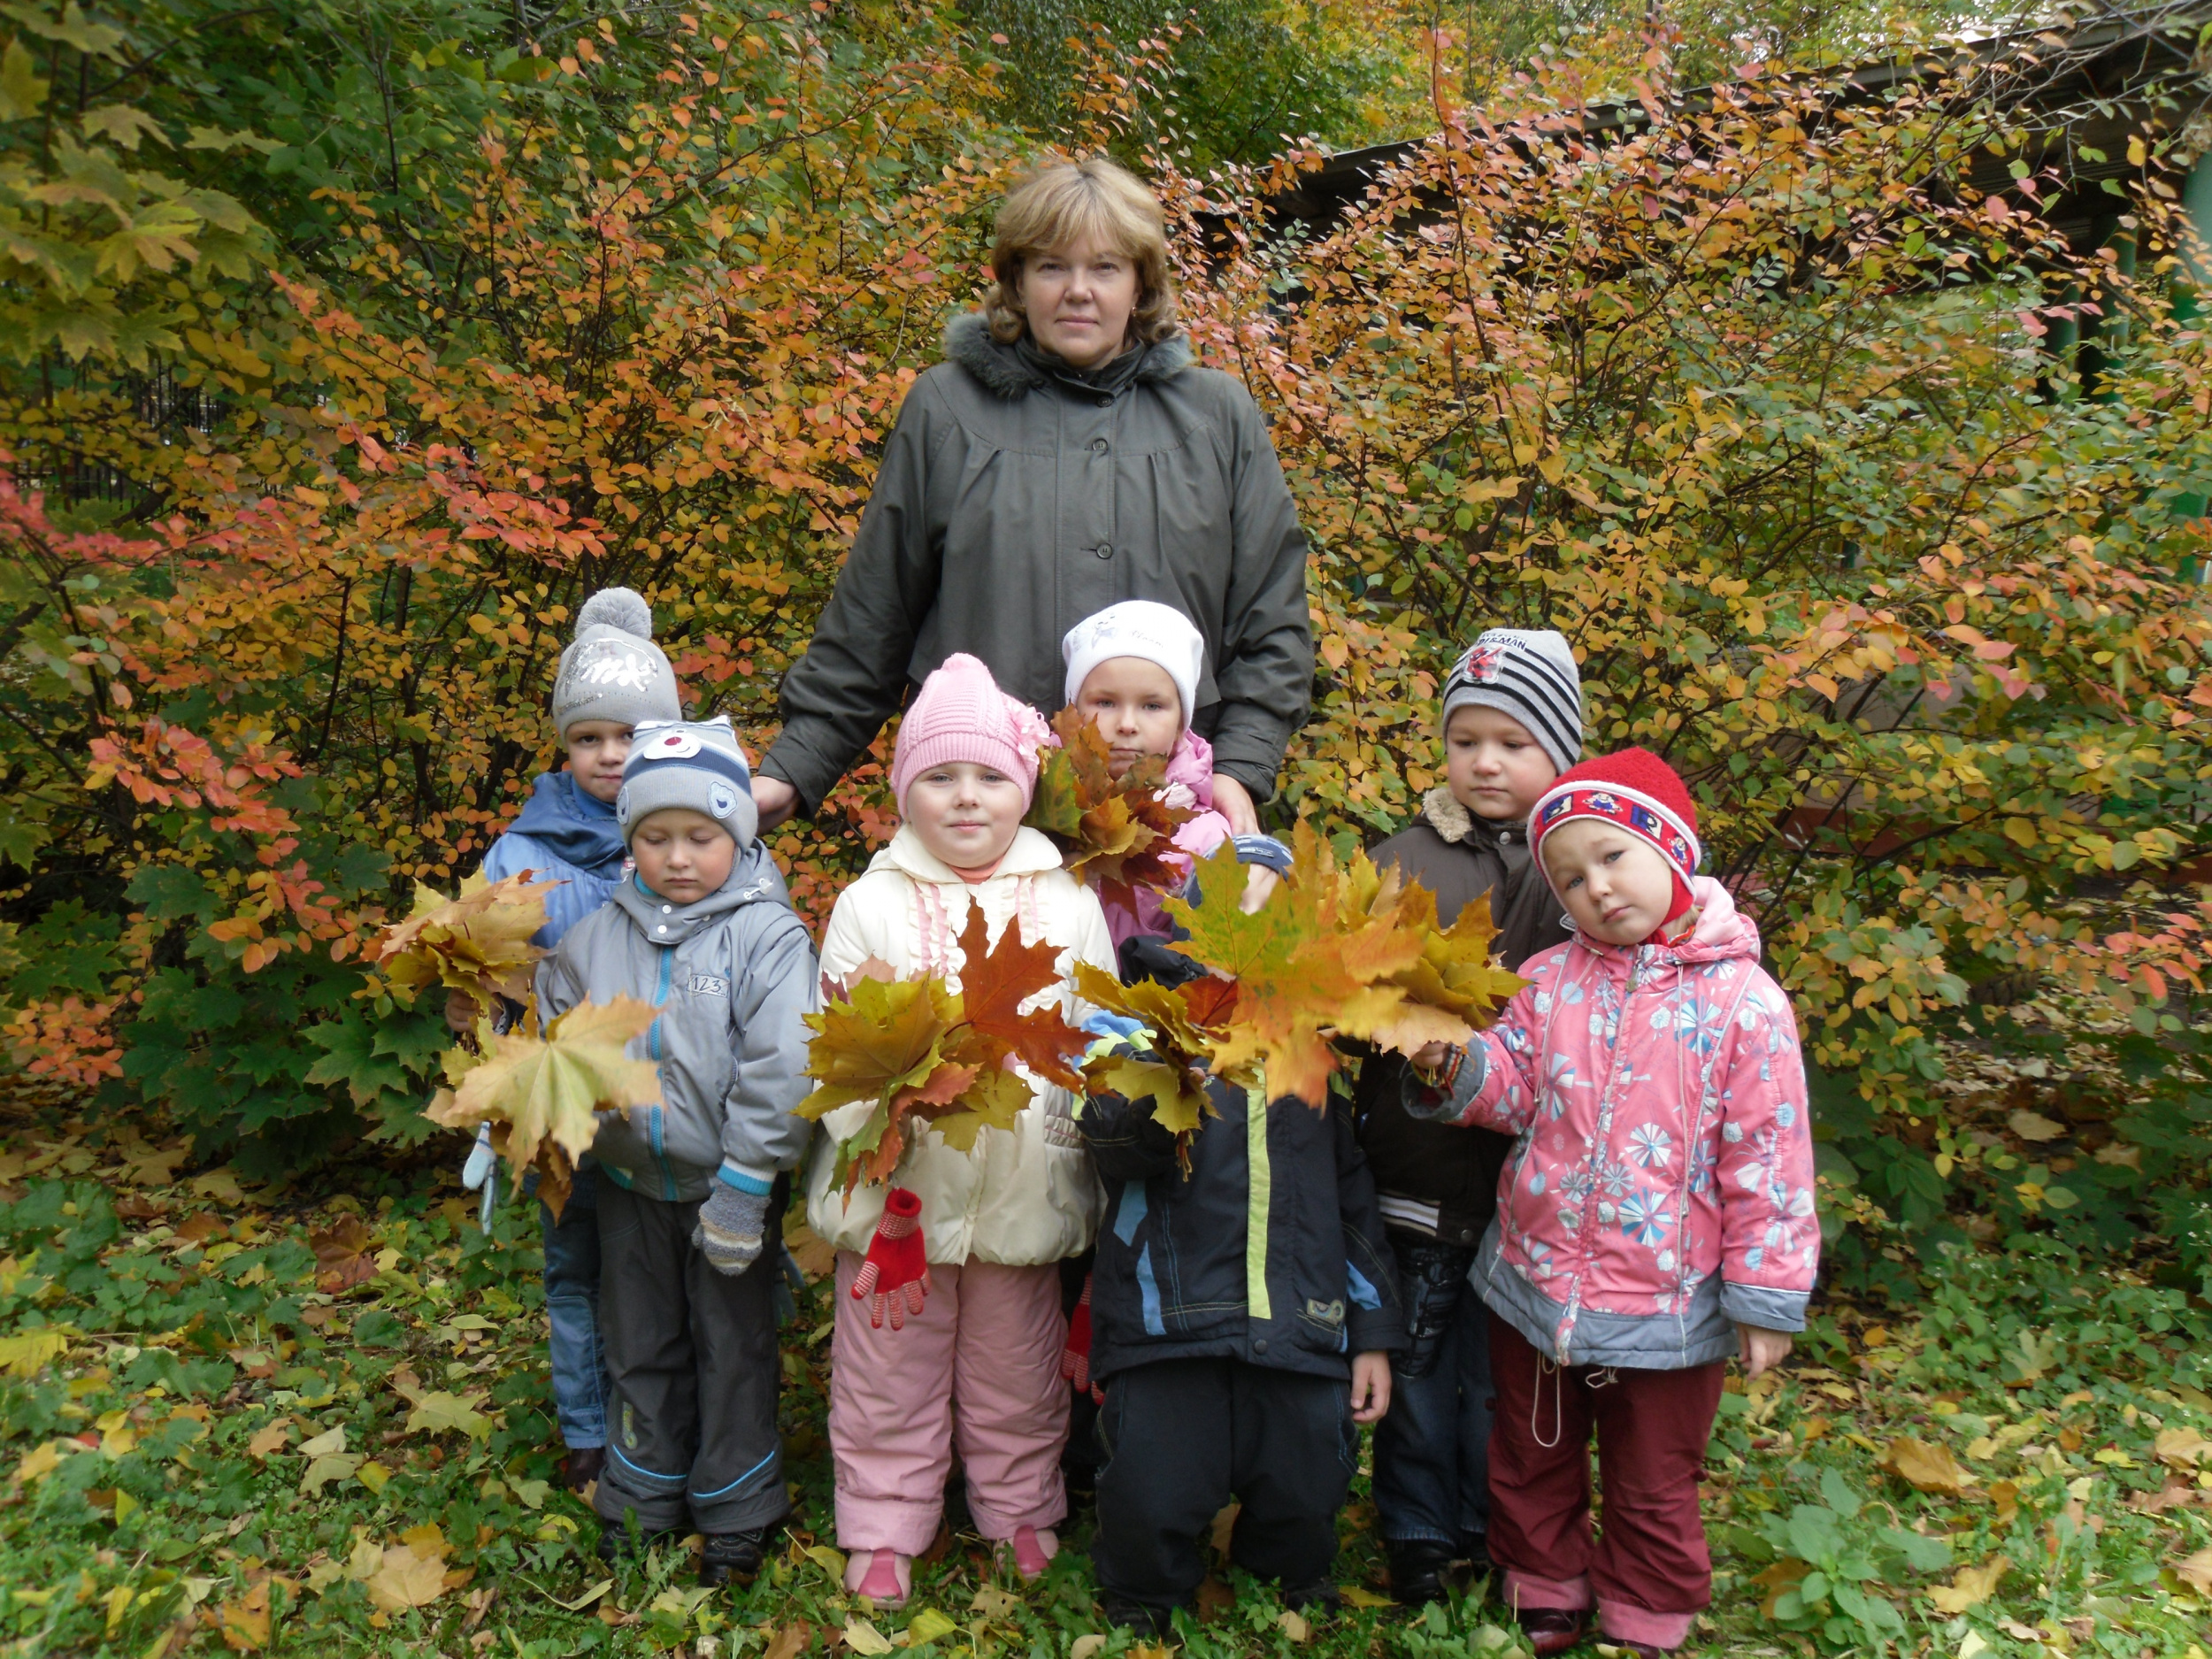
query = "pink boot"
x=1032 y=1549
x=884 y=1576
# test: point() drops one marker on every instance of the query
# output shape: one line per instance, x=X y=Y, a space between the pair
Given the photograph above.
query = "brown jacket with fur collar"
x=1434 y=1180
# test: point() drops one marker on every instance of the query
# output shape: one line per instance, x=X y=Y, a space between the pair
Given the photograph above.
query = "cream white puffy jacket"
x=1023 y=1197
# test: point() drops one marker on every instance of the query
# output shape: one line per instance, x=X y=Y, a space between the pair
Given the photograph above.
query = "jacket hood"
x=1722 y=931
x=1455 y=824
x=1004 y=372
x=754 y=879
x=577 y=828
x=1031 y=851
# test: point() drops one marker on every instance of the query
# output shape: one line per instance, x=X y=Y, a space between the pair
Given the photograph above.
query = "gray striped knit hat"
x=695 y=764
x=1530 y=674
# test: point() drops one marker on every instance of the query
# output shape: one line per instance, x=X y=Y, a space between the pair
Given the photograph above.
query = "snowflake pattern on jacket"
x=1658 y=1095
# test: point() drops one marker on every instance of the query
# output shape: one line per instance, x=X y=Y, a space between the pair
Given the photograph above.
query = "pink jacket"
x=1190 y=769
x=1661 y=1188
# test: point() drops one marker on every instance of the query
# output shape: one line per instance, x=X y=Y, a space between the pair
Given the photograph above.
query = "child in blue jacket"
x=612 y=679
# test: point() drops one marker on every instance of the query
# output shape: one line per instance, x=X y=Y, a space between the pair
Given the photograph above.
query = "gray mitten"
x=1448 y=1098
x=730 y=1227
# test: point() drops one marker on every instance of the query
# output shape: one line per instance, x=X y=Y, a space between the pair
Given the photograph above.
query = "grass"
x=315 y=1420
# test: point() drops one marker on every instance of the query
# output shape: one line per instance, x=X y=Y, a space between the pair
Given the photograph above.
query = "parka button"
x=1259 y=1345
x=666 y=909
x=1099 y=446
x=1105 y=401
x=1104 y=549
x=662 y=928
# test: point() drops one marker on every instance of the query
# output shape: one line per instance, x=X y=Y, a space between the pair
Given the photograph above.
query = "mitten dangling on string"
x=896 y=1272
x=1075 y=1359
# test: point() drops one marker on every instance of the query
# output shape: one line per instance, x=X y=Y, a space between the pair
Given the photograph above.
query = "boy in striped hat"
x=1511 y=722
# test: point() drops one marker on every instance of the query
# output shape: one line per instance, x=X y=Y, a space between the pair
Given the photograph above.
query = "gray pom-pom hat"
x=611 y=670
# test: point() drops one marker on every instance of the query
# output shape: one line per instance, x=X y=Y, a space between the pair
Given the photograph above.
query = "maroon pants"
x=1649 y=1568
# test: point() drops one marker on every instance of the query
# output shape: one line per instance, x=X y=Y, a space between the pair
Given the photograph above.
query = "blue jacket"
x=1271 y=1250
x=566 y=835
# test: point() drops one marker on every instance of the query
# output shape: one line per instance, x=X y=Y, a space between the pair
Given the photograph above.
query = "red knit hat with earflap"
x=1636 y=790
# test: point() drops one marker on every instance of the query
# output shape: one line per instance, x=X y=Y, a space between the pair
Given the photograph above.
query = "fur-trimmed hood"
x=1006 y=373
x=1454 y=823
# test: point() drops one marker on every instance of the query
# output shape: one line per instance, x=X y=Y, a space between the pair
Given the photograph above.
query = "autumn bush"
x=1749 y=392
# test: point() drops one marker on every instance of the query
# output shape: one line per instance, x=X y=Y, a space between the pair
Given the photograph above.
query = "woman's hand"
x=1370 y=1387
x=1763 y=1349
x=1233 y=801
x=776 y=799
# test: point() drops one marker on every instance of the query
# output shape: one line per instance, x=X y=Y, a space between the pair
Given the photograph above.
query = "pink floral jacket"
x=1661 y=1191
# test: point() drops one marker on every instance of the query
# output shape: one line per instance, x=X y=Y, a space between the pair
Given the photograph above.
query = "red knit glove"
x=896 y=1272
x=1075 y=1359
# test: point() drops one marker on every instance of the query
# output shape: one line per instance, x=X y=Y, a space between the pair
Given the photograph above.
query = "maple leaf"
x=478 y=943
x=920 y=1048
x=542 y=1094
x=1307 y=965
x=1112 y=828
x=994 y=983
x=1338 y=953
x=1183 y=1024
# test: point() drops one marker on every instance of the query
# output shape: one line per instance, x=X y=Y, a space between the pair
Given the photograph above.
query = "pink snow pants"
x=979 y=1367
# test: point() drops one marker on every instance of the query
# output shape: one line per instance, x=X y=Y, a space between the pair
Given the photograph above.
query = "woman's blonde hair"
x=1066 y=200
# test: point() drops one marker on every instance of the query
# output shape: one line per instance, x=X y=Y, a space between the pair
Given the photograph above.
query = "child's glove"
x=731 y=1223
x=1075 y=1359
x=896 y=1272
x=1445 y=1095
x=476 y=1176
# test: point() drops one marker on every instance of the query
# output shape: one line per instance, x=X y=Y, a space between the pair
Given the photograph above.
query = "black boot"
x=1137 y=1615
x=1418 y=1566
x=582 y=1466
x=729 y=1555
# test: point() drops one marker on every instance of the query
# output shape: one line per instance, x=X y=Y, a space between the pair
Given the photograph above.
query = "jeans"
x=571 y=1307
x=1432 y=1449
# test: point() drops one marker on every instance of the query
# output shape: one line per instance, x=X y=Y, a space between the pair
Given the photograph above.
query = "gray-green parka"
x=1019 y=497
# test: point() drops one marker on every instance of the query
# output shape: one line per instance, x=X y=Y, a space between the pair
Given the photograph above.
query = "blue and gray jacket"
x=734 y=976
x=562 y=834
x=1271 y=1250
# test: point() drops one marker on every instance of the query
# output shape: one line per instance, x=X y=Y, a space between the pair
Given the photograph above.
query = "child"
x=1134 y=669
x=612 y=679
x=971 y=1354
x=702 y=930
x=1231 y=1307
x=1657 y=1215
x=1512 y=715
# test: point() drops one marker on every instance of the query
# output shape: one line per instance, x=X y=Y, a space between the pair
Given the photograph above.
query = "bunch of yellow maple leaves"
x=540 y=1090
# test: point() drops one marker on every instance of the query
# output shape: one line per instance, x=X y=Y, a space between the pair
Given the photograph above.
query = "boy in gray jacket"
x=703 y=931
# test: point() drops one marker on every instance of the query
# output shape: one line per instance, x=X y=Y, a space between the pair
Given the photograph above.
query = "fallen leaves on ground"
x=344 y=1255
x=1969 y=1586
x=1927 y=1468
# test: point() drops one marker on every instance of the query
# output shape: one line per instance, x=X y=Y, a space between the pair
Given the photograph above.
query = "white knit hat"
x=1141 y=628
x=612 y=671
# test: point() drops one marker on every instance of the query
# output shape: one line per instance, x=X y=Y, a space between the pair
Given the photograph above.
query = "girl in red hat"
x=1655 y=1217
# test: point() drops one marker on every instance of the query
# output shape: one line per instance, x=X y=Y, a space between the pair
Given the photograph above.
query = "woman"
x=1066 y=455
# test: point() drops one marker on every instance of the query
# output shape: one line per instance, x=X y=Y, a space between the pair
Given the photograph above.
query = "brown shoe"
x=582 y=1466
x=1552 y=1629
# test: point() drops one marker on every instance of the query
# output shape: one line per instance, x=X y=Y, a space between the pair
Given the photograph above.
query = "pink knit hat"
x=961 y=714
